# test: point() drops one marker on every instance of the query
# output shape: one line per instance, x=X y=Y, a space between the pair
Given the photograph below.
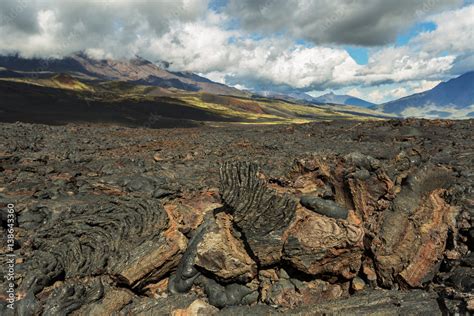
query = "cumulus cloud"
x=370 y=22
x=277 y=63
x=388 y=92
x=55 y=27
x=432 y=55
x=230 y=56
x=399 y=64
x=423 y=85
x=380 y=94
x=455 y=32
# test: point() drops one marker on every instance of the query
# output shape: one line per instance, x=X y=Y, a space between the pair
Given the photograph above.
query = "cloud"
x=399 y=64
x=423 y=85
x=20 y=15
x=388 y=92
x=367 y=23
x=197 y=46
x=275 y=62
x=380 y=94
x=463 y=63
x=435 y=55
x=54 y=27
x=233 y=57
x=455 y=32
x=299 y=67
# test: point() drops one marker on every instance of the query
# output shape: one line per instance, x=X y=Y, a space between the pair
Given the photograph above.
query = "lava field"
x=343 y=217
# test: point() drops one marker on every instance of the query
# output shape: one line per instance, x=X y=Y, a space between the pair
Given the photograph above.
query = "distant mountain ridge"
x=328 y=98
x=331 y=98
x=451 y=99
x=136 y=70
x=291 y=95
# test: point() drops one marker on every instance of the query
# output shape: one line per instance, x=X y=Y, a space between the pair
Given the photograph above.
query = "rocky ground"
x=338 y=218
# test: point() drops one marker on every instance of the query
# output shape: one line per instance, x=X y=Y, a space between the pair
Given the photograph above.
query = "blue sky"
x=359 y=54
x=415 y=30
x=217 y=5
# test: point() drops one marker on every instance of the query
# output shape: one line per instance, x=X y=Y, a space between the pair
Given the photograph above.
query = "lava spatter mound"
x=240 y=221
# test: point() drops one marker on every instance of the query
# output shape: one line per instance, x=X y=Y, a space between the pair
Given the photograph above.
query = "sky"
x=378 y=50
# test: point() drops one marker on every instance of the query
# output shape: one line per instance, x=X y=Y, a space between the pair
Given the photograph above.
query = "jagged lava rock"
x=318 y=244
x=220 y=253
x=324 y=207
x=260 y=213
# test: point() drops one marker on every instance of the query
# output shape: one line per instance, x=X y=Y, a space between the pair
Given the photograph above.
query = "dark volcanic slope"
x=457 y=92
x=35 y=104
x=338 y=217
x=137 y=70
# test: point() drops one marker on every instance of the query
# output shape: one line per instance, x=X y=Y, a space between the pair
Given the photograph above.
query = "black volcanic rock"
x=259 y=213
x=324 y=207
x=94 y=235
x=91 y=241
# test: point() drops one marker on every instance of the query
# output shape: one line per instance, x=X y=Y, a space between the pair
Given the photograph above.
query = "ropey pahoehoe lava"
x=340 y=217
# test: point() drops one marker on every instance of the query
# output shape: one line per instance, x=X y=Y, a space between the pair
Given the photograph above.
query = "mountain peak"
x=163 y=64
x=140 y=61
x=332 y=98
x=450 y=99
x=137 y=70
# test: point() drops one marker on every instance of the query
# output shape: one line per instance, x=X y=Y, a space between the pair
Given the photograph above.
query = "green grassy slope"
x=136 y=103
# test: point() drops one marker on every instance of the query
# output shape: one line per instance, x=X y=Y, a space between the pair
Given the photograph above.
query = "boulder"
x=318 y=244
x=324 y=207
x=259 y=213
x=223 y=255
